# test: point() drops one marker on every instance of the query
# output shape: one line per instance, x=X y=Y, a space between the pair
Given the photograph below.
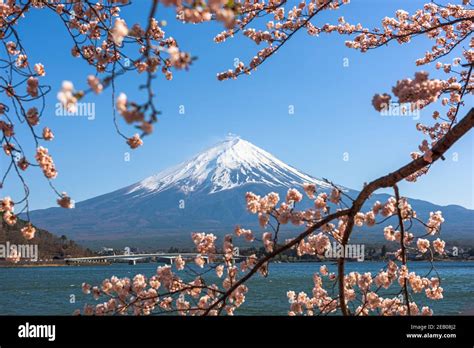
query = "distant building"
x=106 y=251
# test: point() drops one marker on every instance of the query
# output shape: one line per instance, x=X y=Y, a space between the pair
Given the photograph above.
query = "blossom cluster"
x=101 y=38
x=7 y=208
x=167 y=292
x=448 y=26
x=368 y=286
x=284 y=20
x=141 y=295
x=24 y=100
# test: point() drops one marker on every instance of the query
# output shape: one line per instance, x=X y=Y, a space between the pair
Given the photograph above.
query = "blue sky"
x=332 y=103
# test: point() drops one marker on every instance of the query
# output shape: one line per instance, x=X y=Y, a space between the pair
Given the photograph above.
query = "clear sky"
x=332 y=103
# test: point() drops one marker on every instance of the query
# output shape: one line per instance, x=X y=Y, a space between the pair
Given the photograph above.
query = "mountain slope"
x=49 y=245
x=206 y=193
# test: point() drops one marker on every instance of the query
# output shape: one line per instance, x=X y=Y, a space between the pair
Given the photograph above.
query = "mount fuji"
x=206 y=193
x=229 y=165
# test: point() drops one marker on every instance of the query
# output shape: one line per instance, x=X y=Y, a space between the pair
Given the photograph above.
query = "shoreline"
x=35 y=265
x=52 y=265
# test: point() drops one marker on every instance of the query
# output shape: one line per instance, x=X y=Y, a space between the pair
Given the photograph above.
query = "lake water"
x=47 y=290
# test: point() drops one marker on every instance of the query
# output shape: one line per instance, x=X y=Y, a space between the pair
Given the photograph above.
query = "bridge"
x=133 y=258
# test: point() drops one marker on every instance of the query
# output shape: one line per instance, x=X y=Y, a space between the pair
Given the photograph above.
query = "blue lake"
x=48 y=290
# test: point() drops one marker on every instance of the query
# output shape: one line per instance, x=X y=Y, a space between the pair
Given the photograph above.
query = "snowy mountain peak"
x=212 y=185
x=231 y=163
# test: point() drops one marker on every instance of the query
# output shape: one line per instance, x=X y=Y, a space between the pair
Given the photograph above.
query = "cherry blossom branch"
x=402 y=245
x=389 y=180
x=274 y=253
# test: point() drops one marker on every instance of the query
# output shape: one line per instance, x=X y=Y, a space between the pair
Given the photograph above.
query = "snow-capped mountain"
x=206 y=193
x=230 y=164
